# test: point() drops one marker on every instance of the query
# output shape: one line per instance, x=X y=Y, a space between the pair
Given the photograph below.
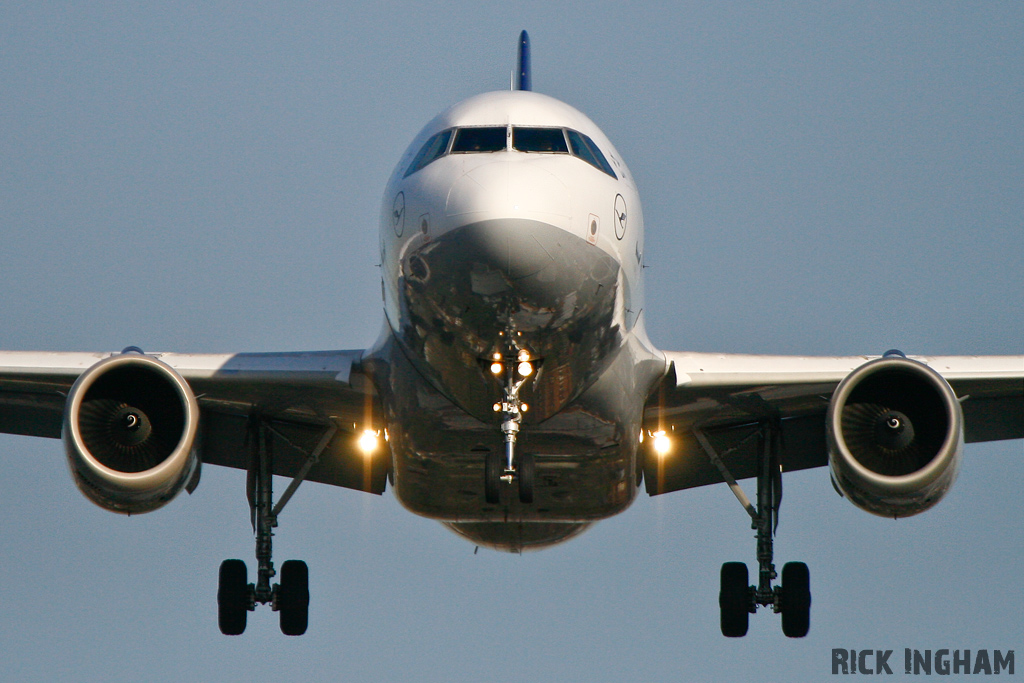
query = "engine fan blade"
x=121 y=436
x=882 y=439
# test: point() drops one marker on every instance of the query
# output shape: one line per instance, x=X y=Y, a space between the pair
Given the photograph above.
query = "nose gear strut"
x=515 y=367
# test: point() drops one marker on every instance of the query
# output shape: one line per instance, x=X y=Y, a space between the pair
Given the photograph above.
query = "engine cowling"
x=130 y=426
x=895 y=436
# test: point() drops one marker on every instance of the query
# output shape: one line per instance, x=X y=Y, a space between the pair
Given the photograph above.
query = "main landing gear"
x=289 y=598
x=737 y=599
x=515 y=368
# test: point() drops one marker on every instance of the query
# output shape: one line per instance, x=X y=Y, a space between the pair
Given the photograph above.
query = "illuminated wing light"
x=368 y=441
x=662 y=444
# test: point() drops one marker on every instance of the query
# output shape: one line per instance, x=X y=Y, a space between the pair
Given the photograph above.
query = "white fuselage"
x=557 y=189
x=503 y=229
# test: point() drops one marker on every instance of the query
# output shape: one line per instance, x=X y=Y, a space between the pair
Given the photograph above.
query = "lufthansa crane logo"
x=620 y=216
x=398 y=214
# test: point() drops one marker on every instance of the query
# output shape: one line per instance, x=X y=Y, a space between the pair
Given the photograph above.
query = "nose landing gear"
x=515 y=367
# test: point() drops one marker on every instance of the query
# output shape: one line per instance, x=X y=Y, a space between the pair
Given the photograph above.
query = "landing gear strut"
x=737 y=599
x=290 y=598
x=515 y=367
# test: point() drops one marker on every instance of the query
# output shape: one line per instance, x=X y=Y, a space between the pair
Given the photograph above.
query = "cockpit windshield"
x=584 y=148
x=489 y=139
x=432 y=149
x=550 y=140
x=524 y=139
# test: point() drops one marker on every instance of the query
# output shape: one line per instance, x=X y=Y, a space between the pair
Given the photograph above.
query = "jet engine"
x=895 y=436
x=130 y=423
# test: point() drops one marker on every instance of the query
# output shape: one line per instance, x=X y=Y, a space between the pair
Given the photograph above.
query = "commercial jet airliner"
x=512 y=394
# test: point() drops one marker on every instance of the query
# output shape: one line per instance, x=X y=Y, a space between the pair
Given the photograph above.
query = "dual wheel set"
x=236 y=597
x=738 y=600
x=495 y=474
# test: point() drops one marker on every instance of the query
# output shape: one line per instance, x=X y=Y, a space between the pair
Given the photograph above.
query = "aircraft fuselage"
x=503 y=234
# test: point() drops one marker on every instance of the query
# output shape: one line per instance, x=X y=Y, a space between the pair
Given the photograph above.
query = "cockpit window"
x=524 y=139
x=551 y=140
x=490 y=139
x=584 y=148
x=432 y=149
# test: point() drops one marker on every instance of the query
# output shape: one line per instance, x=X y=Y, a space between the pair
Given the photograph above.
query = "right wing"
x=724 y=398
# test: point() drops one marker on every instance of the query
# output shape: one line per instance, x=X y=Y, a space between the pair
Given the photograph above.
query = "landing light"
x=662 y=444
x=496 y=368
x=368 y=441
x=525 y=369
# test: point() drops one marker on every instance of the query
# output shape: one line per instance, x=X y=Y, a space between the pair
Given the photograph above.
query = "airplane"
x=513 y=394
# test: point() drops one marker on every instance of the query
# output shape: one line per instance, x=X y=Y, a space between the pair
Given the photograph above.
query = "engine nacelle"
x=895 y=436
x=130 y=424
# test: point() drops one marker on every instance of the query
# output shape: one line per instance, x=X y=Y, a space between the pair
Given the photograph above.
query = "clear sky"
x=818 y=178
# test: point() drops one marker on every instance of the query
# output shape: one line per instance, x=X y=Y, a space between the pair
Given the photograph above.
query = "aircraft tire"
x=293 y=598
x=232 y=597
x=796 y=599
x=492 y=478
x=734 y=600
x=526 y=470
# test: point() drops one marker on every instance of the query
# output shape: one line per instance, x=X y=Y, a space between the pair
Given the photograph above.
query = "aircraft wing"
x=722 y=398
x=300 y=395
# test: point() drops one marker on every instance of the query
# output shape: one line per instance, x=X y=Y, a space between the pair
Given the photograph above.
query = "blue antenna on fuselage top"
x=523 y=80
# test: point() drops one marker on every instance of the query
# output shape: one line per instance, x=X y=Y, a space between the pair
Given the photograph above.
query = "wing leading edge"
x=719 y=397
x=298 y=395
x=724 y=397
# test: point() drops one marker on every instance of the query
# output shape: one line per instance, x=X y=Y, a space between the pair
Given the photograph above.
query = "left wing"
x=723 y=398
x=299 y=395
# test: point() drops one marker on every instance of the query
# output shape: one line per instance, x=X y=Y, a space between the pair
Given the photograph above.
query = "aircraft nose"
x=509 y=189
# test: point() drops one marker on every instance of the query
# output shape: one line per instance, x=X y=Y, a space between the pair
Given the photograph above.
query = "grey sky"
x=831 y=178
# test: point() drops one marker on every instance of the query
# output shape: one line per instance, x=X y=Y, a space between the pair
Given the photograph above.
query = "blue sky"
x=817 y=179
